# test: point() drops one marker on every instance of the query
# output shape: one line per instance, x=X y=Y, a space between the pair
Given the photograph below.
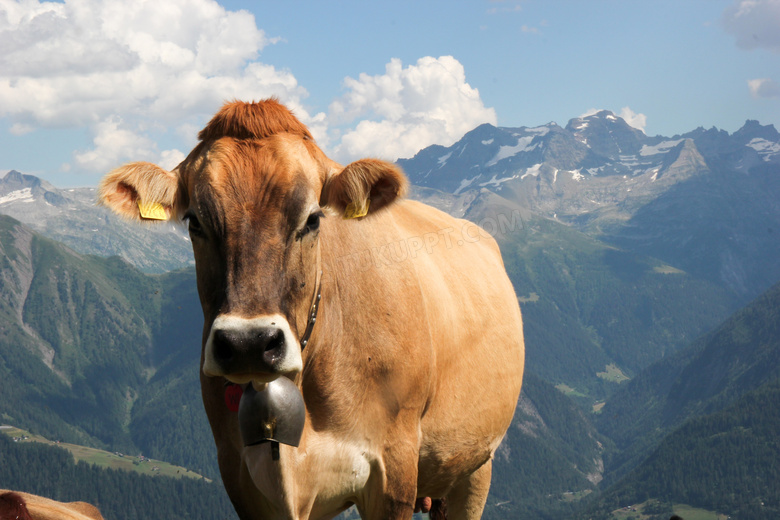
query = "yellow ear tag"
x=152 y=210
x=356 y=211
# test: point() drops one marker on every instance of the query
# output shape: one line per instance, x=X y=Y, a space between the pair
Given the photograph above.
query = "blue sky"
x=86 y=86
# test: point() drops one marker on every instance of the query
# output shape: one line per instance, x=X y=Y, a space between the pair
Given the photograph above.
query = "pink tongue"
x=233 y=395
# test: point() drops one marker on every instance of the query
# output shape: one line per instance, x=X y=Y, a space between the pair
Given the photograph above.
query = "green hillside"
x=594 y=314
x=550 y=457
x=737 y=357
x=115 y=460
x=51 y=471
x=725 y=461
x=94 y=352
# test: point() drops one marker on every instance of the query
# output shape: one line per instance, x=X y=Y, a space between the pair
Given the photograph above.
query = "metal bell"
x=276 y=413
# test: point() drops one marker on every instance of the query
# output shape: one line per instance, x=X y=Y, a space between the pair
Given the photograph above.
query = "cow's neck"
x=315 y=302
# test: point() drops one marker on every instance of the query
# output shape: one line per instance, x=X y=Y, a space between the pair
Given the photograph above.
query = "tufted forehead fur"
x=253 y=120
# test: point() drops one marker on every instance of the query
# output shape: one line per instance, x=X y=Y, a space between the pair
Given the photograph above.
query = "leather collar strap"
x=315 y=304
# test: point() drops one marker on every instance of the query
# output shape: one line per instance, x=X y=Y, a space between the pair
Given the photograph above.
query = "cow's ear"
x=140 y=191
x=363 y=187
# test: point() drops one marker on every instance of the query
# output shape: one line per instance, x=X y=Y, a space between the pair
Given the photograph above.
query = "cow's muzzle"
x=244 y=349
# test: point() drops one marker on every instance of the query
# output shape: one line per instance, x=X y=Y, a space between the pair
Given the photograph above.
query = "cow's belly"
x=326 y=477
x=442 y=465
x=468 y=416
x=477 y=384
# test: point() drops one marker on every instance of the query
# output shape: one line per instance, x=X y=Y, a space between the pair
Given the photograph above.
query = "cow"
x=16 y=505
x=389 y=328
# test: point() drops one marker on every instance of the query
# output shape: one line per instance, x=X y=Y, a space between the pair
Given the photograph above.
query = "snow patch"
x=539 y=130
x=576 y=175
x=582 y=125
x=764 y=147
x=489 y=141
x=497 y=182
x=26 y=193
x=661 y=147
x=443 y=160
x=533 y=170
x=465 y=183
x=523 y=145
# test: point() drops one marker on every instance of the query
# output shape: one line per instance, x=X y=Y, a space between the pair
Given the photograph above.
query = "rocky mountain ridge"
x=705 y=201
x=595 y=161
x=72 y=217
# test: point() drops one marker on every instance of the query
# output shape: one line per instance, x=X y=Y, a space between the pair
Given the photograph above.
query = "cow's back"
x=42 y=508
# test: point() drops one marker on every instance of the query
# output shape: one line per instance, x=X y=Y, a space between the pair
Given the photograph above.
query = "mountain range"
x=72 y=217
x=628 y=254
x=705 y=201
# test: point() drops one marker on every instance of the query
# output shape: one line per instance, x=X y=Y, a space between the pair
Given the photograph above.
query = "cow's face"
x=253 y=200
x=254 y=216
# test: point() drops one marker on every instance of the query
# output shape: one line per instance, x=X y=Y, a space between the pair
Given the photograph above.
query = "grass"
x=105 y=459
x=533 y=297
x=569 y=391
x=613 y=373
x=693 y=513
x=574 y=496
x=636 y=512
x=667 y=269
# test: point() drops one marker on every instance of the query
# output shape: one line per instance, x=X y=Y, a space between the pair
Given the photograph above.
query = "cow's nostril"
x=274 y=346
x=223 y=346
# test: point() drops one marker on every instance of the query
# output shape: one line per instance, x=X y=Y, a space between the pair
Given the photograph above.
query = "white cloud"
x=764 y=88
x=590 y=112
x=20 y=129
x=170 y=159
x=113 y=145
x=147 y=64
x=638 y=121
x=754 y=23
x=406 y=109
x=514 y=6
x=142 y=77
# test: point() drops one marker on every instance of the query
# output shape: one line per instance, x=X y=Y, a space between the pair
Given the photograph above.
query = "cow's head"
x=253 y=193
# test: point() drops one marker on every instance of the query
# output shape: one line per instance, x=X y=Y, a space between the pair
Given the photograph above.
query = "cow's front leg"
x=392 y=487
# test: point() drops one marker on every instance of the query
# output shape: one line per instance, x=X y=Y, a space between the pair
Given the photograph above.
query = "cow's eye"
x=312 y=223
x=193 y=224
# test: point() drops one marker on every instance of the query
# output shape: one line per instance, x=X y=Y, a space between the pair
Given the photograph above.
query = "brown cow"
x=410 y=372
x=15 y=505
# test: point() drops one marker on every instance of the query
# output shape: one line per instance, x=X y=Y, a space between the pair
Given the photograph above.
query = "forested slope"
x=51 y=472
x=725 y=461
